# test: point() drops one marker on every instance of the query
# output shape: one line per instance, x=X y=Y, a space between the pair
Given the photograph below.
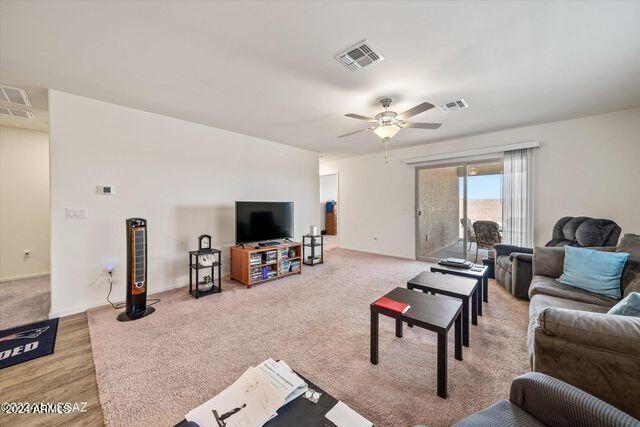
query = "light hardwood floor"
x=67 y=375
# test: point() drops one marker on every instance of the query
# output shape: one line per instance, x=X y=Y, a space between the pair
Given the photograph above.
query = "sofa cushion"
x=571 y=227
x=594 y=271
x=628 y=306
x=549 y=286
x=597 y=232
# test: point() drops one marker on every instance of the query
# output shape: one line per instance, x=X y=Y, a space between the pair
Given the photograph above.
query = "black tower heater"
x=136 y=271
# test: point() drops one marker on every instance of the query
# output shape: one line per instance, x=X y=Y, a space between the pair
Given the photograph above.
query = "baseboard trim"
x=83 y=308
x=24 y=277
x=376 y=253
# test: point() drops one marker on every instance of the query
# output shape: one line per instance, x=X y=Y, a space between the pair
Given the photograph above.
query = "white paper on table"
x=343 y=416
x=253 y=390
x=288 y=384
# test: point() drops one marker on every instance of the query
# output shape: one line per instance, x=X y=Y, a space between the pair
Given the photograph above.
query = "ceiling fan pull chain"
x=386 y=151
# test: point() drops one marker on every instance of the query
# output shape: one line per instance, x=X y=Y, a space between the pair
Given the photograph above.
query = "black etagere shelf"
x=195 y=272
x=313 y=243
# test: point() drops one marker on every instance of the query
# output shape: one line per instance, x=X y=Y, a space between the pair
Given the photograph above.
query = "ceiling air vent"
x=14 y=112
x=14 y=95
x=359 y=56
x=458 y=104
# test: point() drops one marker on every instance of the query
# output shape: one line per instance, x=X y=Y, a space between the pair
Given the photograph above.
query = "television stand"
x=251 y=265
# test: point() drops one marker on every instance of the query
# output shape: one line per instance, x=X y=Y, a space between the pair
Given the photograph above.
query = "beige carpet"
x=24 y=301
x=154 y=370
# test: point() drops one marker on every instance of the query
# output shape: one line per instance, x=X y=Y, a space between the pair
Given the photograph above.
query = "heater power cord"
x=119 y=305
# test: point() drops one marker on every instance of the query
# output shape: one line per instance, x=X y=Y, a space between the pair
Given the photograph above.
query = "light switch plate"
x=76 y=213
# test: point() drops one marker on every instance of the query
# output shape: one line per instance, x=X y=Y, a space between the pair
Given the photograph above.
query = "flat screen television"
x=261 y=221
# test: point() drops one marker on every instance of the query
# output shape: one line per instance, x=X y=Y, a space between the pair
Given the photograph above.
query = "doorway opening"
x=25 y=288
x=458 y=210
x=329 y=209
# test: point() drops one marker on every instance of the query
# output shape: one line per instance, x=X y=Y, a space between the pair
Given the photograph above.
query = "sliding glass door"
x=458 y=209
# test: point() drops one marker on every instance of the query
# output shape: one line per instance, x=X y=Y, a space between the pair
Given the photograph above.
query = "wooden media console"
x=245 y=269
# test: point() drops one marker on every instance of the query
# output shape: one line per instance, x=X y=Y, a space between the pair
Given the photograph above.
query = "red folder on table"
x=389 y=304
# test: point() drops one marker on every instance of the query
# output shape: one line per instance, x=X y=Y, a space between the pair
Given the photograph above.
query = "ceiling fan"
x=388 y=123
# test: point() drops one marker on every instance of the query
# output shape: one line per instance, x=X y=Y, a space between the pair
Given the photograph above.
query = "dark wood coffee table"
x=433 y=312
x=482 y=277
x=449 y=285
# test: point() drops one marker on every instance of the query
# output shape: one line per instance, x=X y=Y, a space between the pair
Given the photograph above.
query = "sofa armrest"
x=521 y=274
x=504 y=249
x=620 y=334
x=556 y=403
x=520 y=257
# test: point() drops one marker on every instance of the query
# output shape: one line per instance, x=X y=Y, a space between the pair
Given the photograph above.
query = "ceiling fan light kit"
x=386 y=131
x=388 y=123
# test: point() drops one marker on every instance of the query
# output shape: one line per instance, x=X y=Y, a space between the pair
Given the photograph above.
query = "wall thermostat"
x=106 y=189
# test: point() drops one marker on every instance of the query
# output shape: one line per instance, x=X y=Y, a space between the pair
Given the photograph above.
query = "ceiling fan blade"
x=420 y=108
x=355 y=131
x=359 y=117
x=422 y=125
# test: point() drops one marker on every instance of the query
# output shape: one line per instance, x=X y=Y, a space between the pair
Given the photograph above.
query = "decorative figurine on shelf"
x=205 y=260
x=204 y=243
x=206 y=284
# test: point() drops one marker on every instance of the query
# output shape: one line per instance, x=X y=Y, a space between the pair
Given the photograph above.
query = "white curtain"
x=517 y=198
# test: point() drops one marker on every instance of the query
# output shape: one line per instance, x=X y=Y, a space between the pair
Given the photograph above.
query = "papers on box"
x=253 y=399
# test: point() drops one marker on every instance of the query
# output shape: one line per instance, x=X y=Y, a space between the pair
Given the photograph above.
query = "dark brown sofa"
x=572 y=339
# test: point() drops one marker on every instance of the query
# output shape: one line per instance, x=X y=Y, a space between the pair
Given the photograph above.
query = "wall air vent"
x=15 y=96
x=359 y=56
x=458 y=104
x=14 y=112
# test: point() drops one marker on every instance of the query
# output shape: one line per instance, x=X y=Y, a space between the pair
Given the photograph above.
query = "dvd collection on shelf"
x=267 y=264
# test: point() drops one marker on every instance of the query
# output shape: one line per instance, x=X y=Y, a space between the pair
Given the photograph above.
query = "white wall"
x=588 y=166
x=24 y=203
x=182 y=177
x=328 y=192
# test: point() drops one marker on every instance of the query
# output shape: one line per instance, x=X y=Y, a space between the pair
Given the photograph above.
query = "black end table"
x=482 y=277
x=432 y=312
x=463 y=288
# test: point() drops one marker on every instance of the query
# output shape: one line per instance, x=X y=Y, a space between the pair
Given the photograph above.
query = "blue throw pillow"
x=594 y=271
x=629 y=306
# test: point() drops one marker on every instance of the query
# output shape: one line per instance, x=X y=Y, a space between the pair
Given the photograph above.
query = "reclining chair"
x=513 y=263
x=540 y=400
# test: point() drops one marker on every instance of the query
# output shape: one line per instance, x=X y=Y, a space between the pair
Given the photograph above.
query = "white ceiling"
x=267 y=68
